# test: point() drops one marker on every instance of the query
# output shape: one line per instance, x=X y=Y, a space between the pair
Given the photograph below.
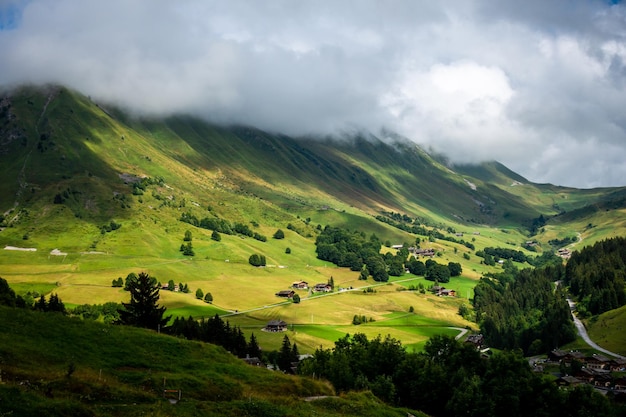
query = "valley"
x=73 y=167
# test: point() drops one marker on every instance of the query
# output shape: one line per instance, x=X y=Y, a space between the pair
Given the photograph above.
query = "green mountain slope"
x=56 y=139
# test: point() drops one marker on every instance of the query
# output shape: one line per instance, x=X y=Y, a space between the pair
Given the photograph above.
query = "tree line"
x=449 y=378
x=221 y=226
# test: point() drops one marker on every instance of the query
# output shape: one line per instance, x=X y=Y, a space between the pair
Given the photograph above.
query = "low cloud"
x=539 y=86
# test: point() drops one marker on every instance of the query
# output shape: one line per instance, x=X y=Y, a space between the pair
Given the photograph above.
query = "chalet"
x=564 y=253
x=618 y=365
x=300 y=285
x=558 y=355
x=276 y=326
x=323 y=287
x=424 y=252
x=598 y=362
x=442 y=291
x=254 y=361
x=286 y=293
x=568 y=381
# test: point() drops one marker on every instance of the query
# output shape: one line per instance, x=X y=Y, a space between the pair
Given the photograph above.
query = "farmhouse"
x=276 y=326
x=598 y=362
x=424 y=252
x=300 y=285
x=286 y=293
x=442 y=291
x=323 y=287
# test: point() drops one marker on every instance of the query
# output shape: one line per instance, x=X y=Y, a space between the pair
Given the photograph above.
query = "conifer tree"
x=142 y=310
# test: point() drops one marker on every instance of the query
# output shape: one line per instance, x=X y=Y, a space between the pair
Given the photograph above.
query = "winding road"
x=583 y=332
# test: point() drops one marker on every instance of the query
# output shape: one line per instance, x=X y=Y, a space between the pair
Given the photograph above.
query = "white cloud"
x=537 y=85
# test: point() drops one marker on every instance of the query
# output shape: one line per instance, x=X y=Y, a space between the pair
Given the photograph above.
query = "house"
x=564 y=253
x=300 y=285
x=558 y=355
x=276 y=326
x=323 y=287
x=568 y=381
x=254 y=361
x=286 y=293
x=442 y=291
x=598 y=362
x=617 y=365
x=424 y=252
x=478 y=340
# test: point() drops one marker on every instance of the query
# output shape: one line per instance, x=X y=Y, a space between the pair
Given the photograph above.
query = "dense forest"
x=524 y=309
x=449 y=378
x=596 y=275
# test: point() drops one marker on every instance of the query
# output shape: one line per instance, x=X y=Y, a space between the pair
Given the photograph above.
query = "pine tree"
x=253 y=347
x=142 y=310
x=285 y=355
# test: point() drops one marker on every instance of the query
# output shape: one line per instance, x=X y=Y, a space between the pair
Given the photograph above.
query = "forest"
x=524 y=309
x=596 y=275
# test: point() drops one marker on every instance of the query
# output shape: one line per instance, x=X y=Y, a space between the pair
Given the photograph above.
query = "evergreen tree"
x=285 y=355
x=7 y=295
x=279 y=234
x=253 y=347
x=208 y=298
x=187 y=237
x=142 y=310
x=55 y=304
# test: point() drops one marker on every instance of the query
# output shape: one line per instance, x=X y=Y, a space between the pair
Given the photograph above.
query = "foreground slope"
x=55 y=366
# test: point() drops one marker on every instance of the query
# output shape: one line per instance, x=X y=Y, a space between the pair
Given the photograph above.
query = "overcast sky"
x=537 y=85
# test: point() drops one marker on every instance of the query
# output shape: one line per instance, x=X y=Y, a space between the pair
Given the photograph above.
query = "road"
x=583 y=333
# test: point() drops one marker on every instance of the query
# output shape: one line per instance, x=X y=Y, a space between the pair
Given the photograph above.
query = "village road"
x=583 y=332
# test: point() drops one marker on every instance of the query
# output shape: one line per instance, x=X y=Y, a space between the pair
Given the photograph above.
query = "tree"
x=188 y=249
x=216 y=236
x=7 y=295
x=279 y=234
x=142 y=310
x=331 y=282
x=208 y=298
x=55 y=304
x=257 y=260
x=455 y=269
x=288 y=251
x=171 y=285
x=199 y=294
x=130 y=280
x=285 y=356
x=296 y=299
x=253 y=347
x=118 y=283
x=187 y=237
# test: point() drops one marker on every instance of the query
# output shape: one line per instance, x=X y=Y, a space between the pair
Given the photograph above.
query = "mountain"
x=55 y=140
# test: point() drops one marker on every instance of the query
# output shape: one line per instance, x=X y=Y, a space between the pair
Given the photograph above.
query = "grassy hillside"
x=54 y=366
x=71 y=167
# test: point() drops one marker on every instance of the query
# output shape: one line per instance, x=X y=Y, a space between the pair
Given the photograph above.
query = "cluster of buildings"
x=303 y=285
x=597 y=370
